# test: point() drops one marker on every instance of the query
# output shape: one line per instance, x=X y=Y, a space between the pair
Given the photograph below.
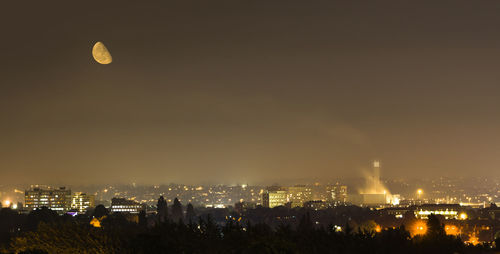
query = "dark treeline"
x=173 y=231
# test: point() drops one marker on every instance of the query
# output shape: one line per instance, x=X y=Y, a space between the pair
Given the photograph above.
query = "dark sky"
x=248 y=91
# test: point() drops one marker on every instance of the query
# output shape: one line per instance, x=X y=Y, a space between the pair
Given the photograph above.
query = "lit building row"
x=298 y=195
x=125 y=206
x=81 y=201
x=274 y=198
x=448 y=211
x=58 y=199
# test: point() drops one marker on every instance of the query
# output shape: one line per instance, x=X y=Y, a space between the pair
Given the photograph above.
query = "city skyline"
x=463 y=191
x=245 y=92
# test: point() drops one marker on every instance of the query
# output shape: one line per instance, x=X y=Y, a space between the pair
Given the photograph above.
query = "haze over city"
x=248 y=91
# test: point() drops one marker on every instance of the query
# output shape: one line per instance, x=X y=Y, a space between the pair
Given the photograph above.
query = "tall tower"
x=376 y=176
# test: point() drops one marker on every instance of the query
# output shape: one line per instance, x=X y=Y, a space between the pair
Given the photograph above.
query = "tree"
x=368 y=226
x=436 y=240
x=10 y=221
x=176 y=210
x=142 y=219
x=65 y=237
x=43 y=214
x=190 y=214
x=305 y=223
x=100 y=211
x=162 y=209
x=434 y=227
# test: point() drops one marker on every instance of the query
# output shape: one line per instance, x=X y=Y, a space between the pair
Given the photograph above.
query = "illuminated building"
x=299 y=194
x=447 y=211
x=125 y=206
x=337 y=193
x=58 y=200
x=274 y=197
x=82 y=201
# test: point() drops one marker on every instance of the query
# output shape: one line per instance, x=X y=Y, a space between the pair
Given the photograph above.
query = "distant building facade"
x=337 y=193
x=58 y=200
x=82 y=201
x=125 y=206
x=298 y=195
x=274 y=197
x=448 y=211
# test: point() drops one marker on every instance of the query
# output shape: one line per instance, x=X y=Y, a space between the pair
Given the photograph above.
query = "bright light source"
x=395 y=200
x=463 y=216
x=451 y=230
x=7 y=203
x=420 y=191
x=419 y=228
x=95 y=222
x=473 y=239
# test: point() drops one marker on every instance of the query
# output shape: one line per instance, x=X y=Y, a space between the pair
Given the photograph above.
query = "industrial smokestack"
x=376 y=176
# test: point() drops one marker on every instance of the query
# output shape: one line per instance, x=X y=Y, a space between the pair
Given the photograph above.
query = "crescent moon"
x=101 y=53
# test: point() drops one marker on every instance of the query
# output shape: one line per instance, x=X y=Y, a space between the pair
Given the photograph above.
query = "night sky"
x=248 y=91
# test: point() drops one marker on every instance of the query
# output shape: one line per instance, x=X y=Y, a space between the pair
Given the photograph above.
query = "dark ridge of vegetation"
x=46 y=232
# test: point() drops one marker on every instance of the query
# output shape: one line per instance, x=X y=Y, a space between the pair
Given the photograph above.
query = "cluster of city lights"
x=8 y=203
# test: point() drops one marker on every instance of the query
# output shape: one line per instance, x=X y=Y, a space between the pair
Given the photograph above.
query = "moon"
x=101 y=53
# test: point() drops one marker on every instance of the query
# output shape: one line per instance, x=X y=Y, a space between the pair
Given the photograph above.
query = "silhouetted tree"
x=305 y=223
x=190 y=214
x=176 y=210
x=436 y=240
x=347 y=229
x=142 y=219
x=434 y=227
x=67 y=237
x=10 y=221
x=162 y=209
x=42 y=214
x=100 y=211
x=367 y=226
